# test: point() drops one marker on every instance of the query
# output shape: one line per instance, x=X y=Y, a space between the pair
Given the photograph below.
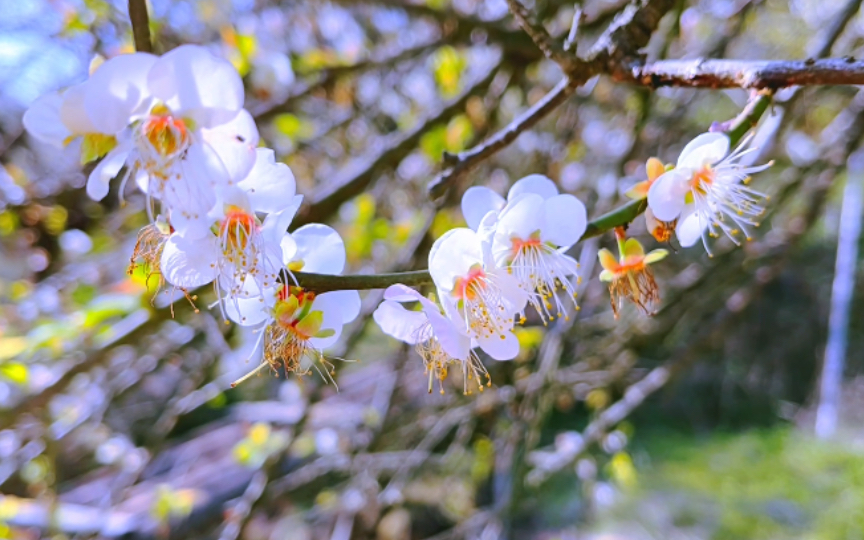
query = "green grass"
x=768 y=484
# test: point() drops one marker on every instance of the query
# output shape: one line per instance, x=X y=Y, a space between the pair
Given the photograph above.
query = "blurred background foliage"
x=116 y=416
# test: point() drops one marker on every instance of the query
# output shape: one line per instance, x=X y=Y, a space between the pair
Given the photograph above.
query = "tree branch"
x=756 y=74
x=629 y=32
x=140 y=25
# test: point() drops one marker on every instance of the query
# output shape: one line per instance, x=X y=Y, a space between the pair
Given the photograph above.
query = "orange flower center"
x=702 y=178
x=167 y=134
x=467 y=287
x=517 y=244
x=237 y=227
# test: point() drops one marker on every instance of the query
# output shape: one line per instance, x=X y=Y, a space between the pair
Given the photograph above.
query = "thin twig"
x=140 y=25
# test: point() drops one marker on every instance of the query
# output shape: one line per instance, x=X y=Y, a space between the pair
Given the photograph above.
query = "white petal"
x=42 y=120
x=500 y=349
x=515 y=297
x=400 y=323
x=193 y=82
x=235 y=142
x=270 y=185
x=690 y=227
x=117 y=90
x=189 y=263
x=566 y=220
x=191 y=193
x=454 y=343
x=249 y=311
x=522 y=217
x=99 y=180
x=330 y=304
x=346 y=302
x=72 y=112
x=533 y=183
x=479 y=201
x=320 y=248
x=289 y=248
x=667 y=193
x=275 y=225
x=453 y=255
x=401 y=293
x=704 y=150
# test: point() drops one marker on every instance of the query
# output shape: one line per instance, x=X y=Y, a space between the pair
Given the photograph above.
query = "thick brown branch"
x=629 y=32
x=746 y=73
x=140 y=25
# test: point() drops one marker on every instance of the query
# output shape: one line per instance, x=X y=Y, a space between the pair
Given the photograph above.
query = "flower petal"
x=654 y=168
x=99 y=180
x=633 y=249
x=42 y=120
x=667 y=193
x=704 y=150
x=400 y=323
x=655 y=255
x=320 y=248
x=72 y=112
x=498 y=348
x=521 y=218
x=690 y=227
x=566 y=220
x=189 y=263
x=252 y=307
x=607 y=260
x=117 y=90
x=235 y=142
x=454 y=343
x=452 y=255
x=270 y=185
x=193 y=82
x=479 y=201
x=536 y=184
x=338 y=308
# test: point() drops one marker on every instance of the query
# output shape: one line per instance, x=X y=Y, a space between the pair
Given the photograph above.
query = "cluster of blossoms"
x=219 y=206
x=513 y=256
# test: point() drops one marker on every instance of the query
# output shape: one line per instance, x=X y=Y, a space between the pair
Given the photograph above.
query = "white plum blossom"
x=241 y=252
x=473 y=291
x=707 y=191
x=531 y=233
x=297 y=324
x=439 y=340
x=97 y=111
x=176 y=122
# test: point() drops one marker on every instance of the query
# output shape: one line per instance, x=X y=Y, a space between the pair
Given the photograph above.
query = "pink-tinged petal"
x=72 y=112
x=270 y=185
x=479 y=201
x=666 y=198
x=690 y=227
x=42 y=120
x=99 y=180
x=454 y=343
x=536 y=184
x=400 y=323
x=320 y=248
x=235 y=143
x=193 y=82
x=498 y=348
x=190 y=263
x=521 y=218
x=117 y=90
x=704 y=150
x=453 y=255
x=566 y=220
